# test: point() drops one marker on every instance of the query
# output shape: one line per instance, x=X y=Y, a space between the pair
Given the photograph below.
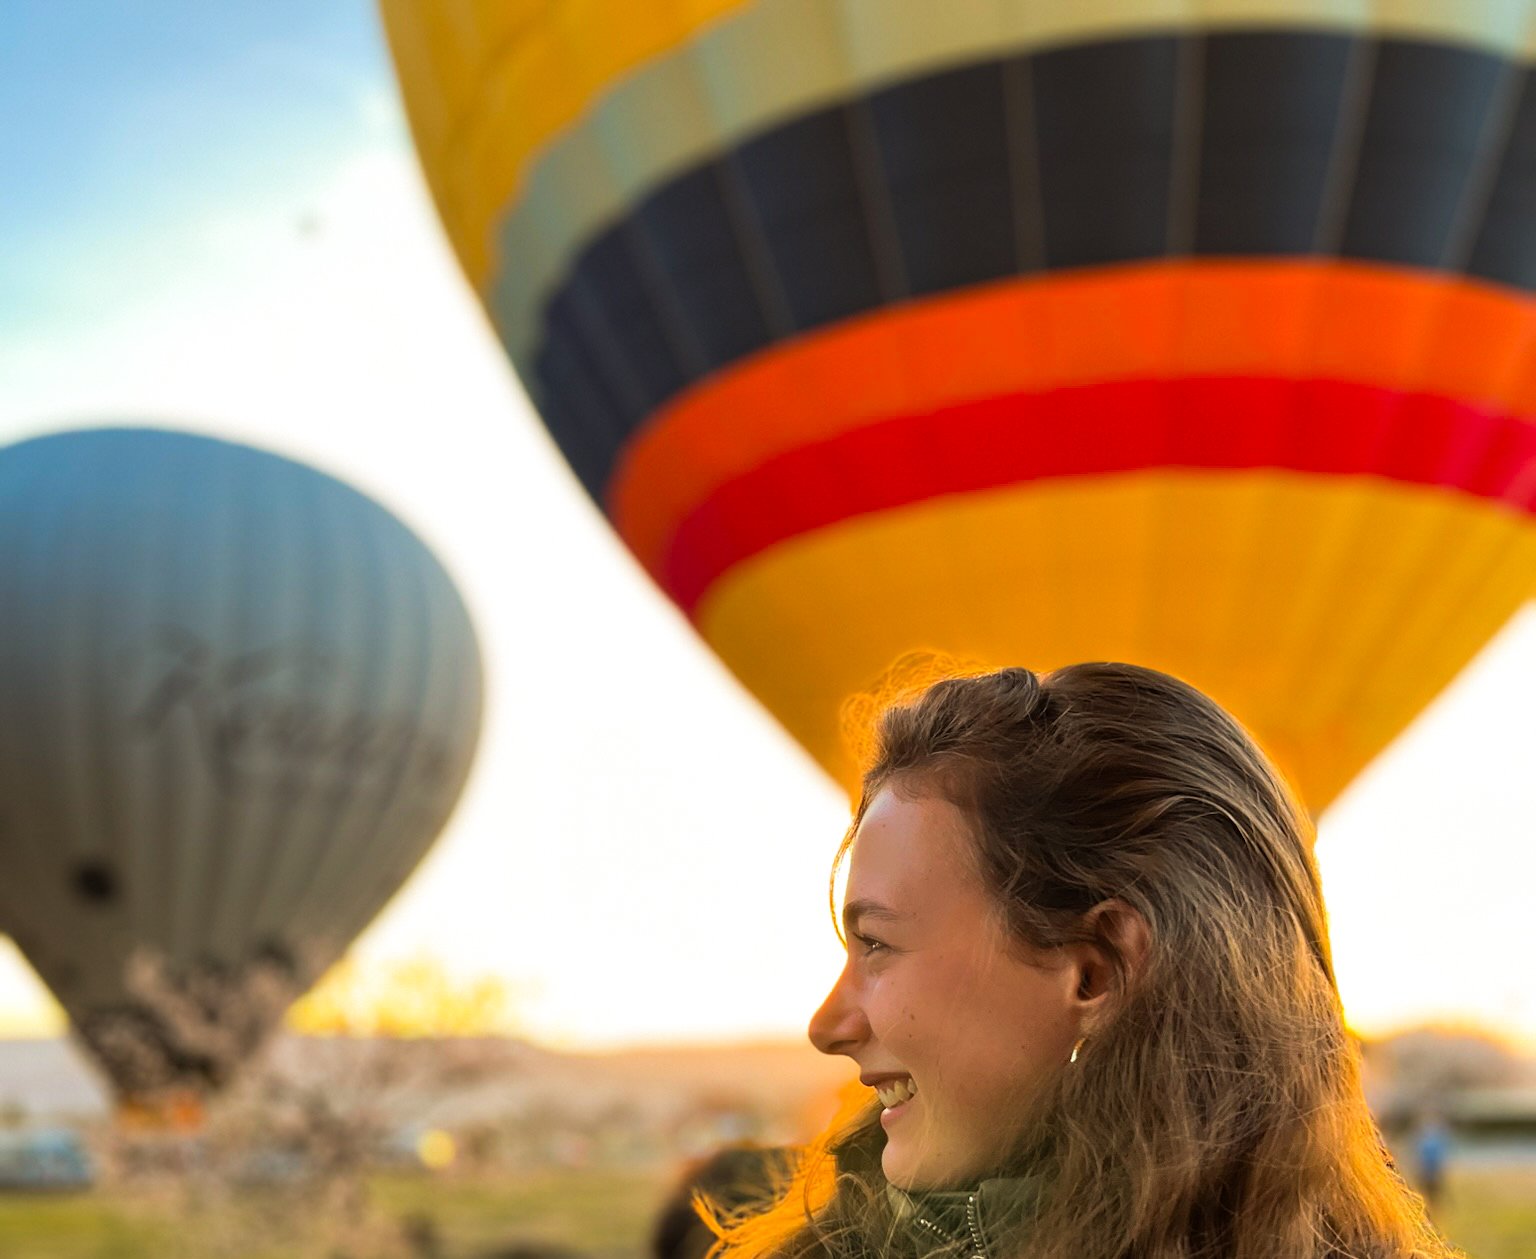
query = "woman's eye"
x=868 y=944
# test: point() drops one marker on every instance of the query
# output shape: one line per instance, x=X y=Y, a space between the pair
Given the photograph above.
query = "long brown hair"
x=1217 y=1113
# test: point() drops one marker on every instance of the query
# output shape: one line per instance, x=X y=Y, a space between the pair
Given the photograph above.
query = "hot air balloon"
x=238 y=700
x=1025 y=331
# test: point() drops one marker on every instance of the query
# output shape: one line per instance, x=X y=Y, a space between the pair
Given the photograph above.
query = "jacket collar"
x=982 y=1220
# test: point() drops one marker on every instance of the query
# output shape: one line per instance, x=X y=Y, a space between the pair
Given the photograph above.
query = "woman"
x=1089 y=984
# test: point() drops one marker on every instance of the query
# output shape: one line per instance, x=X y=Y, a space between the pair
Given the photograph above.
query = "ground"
x=598 y=1214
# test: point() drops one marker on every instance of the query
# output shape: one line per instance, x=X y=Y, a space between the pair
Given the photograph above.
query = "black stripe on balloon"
x=1432 y=116
x=1269 y=128
x=1505 y=248
x=696 y=242
x=1104 y=127
x=944 y=147
x=1294 y=143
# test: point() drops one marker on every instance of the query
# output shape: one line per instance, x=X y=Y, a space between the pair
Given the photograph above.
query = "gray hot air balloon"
x=238 y=701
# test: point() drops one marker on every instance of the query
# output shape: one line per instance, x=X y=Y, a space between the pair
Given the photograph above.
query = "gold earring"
x=1076 y=1047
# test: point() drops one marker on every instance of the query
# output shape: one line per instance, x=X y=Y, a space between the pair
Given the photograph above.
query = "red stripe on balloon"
x=1323 y=427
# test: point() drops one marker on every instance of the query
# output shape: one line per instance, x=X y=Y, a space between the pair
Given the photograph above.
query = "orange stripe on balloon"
x=1389 y=327
x=1318 y=427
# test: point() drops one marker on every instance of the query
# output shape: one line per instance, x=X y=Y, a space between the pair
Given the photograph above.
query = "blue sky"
x=124 y=120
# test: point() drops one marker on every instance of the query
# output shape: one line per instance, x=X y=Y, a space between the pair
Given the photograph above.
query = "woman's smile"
x=897 y=1096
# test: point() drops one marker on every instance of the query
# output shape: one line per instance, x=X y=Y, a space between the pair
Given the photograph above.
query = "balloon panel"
x=788 y=273
x=237 y=702
x=1393 y=333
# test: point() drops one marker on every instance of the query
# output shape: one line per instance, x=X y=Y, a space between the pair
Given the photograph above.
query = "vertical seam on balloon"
x=1187 y=144
x=413 y=841
x=319 y=512
x=280 y=820
x=1331 y=224
x=752 y=243
x=238 y=846
x=226 y=921
x=602 y=350
x=598 y=416
x=879 y=210
x=671 y=318
x=870 y=175
x=747 y=227
x=1021 y=137
x=166 y=796
x=1492 y=149
x=140 y=618
x=1349 y=136
x=874 y=196
x=104 y=778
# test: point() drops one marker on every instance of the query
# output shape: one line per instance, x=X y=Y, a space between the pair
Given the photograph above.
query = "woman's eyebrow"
x=853 y=911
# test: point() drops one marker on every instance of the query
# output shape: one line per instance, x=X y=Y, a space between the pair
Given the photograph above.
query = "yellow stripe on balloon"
x=1195 y=573
x=492 y=88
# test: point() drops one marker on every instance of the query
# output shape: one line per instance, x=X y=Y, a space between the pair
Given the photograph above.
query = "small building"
x=1493 y=1113
x=44 y=1158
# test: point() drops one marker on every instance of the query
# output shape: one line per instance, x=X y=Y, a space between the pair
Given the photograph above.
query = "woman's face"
x=937 y=1000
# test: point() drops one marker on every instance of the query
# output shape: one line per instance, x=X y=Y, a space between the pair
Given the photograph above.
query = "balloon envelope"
x=1026 y=332
x=238 y=701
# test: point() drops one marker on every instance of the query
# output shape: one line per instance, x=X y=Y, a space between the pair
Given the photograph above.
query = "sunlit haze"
x=235 y=239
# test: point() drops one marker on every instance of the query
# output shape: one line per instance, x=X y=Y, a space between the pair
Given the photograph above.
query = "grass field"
x=603 y=1215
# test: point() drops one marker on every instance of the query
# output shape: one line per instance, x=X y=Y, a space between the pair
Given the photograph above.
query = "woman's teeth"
x=894 y=1092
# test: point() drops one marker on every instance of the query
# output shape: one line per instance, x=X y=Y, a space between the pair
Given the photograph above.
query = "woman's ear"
x=1125 y=931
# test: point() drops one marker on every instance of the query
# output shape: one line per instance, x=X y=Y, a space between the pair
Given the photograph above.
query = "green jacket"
x=976 y=1224
x=973 y=1224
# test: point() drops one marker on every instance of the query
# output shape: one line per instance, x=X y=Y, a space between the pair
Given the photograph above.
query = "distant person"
x=1432 y=1150
x=1090 y=990
x=735 y=1179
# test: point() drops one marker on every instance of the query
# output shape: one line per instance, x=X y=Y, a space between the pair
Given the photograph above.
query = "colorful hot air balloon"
x=238 y=701
x=1197 y=334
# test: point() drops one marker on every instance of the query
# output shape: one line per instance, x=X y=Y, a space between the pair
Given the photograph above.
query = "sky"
x=212 y=219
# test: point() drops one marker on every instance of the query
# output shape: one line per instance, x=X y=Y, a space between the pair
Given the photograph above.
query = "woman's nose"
x=839 y=1026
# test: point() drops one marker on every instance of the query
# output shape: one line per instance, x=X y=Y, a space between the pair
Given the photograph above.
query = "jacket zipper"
x=933 y=1228
x=974 y=1223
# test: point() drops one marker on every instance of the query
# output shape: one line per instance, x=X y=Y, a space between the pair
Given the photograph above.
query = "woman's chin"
x=927 y=1175
x=909 y=1178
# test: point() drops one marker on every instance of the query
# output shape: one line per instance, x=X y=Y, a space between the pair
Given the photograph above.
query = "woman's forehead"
x=909 y=848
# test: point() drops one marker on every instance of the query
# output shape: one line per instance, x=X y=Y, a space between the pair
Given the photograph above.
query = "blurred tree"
x=407 y=998
x=1429 y=1062
x=1419 y=1069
